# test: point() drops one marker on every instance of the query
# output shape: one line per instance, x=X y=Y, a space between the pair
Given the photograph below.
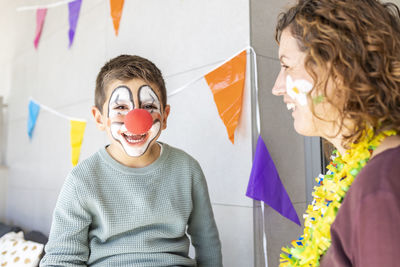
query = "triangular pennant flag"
x=116 y=13
x=227 y=84
x=40 y=16
x=32 y=116
x=77 y=131
x=74 y=8
x=265 y=184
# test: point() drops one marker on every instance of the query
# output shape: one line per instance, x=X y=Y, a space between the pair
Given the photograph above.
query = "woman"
x=340 y=78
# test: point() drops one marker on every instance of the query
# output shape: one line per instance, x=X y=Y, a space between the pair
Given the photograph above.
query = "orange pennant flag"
x=116 y=13
x=76 y=133
x=227 y=84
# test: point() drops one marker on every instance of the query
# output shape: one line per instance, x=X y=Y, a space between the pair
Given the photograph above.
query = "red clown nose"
x=138 y=121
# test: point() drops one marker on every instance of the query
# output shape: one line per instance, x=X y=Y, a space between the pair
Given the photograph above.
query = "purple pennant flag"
x=265 y=184
x=74 y=8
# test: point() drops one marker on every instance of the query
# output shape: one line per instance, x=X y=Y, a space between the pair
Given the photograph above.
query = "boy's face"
x=122 y=97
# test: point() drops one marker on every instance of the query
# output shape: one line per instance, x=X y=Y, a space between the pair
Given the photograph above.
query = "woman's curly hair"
x=354 y=45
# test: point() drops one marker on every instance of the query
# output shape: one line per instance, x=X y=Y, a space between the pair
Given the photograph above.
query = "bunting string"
x=56 y=4
x=56 y=112
x=183 y=87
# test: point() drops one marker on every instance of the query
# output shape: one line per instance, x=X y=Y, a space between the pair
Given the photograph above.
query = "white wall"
x=3 y=192
x=183 y=38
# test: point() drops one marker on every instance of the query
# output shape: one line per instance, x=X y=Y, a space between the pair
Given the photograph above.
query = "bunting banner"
x=76 y=133
x=227 y=84
x=74 y=8
x=265 y=184
x=40 y=16
x=33 y=110
x=116 y=7
x=77 y=127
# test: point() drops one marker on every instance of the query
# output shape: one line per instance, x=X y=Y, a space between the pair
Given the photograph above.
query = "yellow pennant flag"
x=227 y=84
x=77 y=131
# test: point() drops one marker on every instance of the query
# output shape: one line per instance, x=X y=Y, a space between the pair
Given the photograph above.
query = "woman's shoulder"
x=381 y=174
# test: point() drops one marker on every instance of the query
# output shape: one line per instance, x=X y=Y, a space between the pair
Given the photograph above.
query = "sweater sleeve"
x=201 y=227
x=68 y=240
x=377 y=231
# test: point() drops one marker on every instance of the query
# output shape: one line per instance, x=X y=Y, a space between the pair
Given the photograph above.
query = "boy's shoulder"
x=179 y=156
x=88 y=165
x=185 y=164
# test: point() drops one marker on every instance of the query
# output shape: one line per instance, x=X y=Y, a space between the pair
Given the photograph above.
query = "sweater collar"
x=129 y=170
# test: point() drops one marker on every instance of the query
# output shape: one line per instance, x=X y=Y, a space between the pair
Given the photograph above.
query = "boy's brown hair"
x=124 y=68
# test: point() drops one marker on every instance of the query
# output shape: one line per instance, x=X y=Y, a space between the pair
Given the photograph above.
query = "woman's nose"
x=279 y=87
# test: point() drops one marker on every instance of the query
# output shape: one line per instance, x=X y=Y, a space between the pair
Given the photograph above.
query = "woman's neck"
x=388 y=143
x=337 y=143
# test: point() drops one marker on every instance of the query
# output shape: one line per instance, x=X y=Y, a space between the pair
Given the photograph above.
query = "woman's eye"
x=284 y=66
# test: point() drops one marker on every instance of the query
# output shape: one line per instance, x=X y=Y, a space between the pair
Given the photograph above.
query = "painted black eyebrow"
x=130 y=96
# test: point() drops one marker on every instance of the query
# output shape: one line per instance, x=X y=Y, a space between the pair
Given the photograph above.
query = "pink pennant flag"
x=40 y=16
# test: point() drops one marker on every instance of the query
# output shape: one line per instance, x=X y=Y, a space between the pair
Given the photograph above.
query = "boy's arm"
x=201 y=227
x=68 y=240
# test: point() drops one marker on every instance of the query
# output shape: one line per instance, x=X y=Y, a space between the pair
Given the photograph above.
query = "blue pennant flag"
x=33 y=113
x=265 y=184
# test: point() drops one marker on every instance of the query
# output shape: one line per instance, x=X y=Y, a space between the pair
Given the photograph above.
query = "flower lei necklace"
x=328 y=196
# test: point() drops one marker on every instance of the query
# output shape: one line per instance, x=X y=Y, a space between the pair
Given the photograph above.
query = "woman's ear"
x=98 y=118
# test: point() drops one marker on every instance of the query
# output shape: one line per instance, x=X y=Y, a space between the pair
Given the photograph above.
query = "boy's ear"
x=167 y=109
x=98 y=118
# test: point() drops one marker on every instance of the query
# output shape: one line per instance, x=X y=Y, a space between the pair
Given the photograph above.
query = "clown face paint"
x=121 y=102
x=148 y=100
x=298 y=89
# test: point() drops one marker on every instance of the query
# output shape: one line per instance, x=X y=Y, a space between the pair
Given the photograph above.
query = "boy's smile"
x=124 y=97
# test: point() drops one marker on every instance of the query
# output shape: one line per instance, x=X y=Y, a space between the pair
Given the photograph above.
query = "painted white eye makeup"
x=121 y=102
x=134 y=145
x=298 y=89
x=148 y=99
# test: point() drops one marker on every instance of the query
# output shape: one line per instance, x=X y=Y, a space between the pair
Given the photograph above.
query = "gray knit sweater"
x=108 y=214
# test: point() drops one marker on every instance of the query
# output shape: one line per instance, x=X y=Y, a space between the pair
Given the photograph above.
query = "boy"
x=132 y=202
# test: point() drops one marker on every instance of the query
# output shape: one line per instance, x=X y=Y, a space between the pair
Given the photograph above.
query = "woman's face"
x=293 y=83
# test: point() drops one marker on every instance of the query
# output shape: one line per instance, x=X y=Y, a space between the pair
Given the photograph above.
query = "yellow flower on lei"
x=328 y=196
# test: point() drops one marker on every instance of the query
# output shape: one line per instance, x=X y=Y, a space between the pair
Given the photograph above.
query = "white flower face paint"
x=121 y=102
x=298 y=89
